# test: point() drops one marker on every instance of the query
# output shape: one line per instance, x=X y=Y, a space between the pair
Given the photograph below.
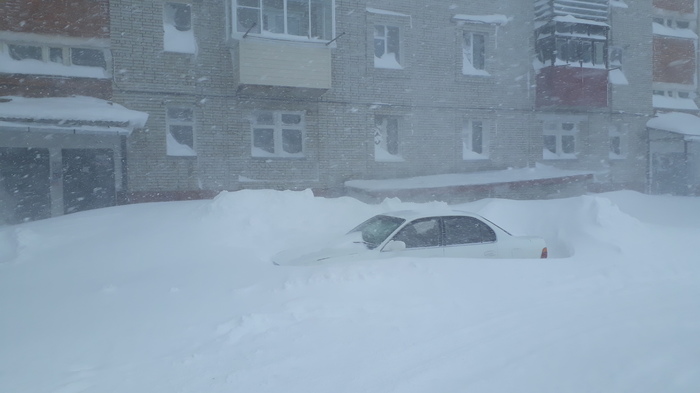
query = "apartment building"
x=61 y=138
x=674 y=151
x=296 y=94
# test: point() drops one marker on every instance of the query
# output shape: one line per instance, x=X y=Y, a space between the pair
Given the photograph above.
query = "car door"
x=468 y=237
x=422 y=238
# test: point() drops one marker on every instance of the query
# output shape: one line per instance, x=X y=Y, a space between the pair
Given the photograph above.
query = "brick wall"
x=75 y=18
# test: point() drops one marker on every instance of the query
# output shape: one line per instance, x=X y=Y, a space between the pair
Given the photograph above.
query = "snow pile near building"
x=181 y=296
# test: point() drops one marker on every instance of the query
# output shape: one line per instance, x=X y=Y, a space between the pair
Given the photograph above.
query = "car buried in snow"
x=410 y=233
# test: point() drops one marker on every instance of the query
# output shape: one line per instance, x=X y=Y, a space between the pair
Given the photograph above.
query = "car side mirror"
x=394 y=245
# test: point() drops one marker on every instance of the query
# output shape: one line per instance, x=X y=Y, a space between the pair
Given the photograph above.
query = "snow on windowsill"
x=385 y=12
x=468 y=69
x=175 y=148
x=495 y=19
x=573 y=19
x=676 y=122
x=671 y=32
x=617 y=77
x=469 y=155
x=388 y=60
x=673 y=103
x=548 y=155
x=178 y=41
x=617 y=157
x=618 y=3
x=381 y=155
x=38 y=67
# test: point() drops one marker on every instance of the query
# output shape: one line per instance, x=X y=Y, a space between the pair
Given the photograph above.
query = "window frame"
x=66 y=53
x=278 y=128
x=621 y=134
x=556 y=129
x=320 y=25
x=412 y=223
x=490 y=239
x=176 y=122
x=468 y=53
x=383 y=146
x=379 y=61
x=468 y=139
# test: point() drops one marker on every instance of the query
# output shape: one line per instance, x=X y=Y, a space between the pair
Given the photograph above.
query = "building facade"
x=61 y=139
x=296 y=94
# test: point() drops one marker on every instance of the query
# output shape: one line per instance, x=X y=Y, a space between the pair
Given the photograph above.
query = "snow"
x=539 y=172
x=175 y=148
x=382 y=155
x=677 y=103
x=181 y=297
x=74 y=108
x=573 y=19
x=660 y=29
x=178 y=41
x=618 y=3
x=385 y=12
x=388 y=60
x=495 y=19
x=8 y=65
x=676 y=122
x=617 y=77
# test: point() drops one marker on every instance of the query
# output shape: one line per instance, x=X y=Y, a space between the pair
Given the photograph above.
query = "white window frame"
x=387 y=137
x=619 y=133
x=469 y=65
x=563 y=132
x=382 y=36
x=470 y=130
x=175 y=147
x=66 y=53
x=279 y=127
x=257 y=6
x=176 y=39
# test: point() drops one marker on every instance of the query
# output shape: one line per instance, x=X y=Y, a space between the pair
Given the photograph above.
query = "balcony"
x=274 y=68
x=572 y=86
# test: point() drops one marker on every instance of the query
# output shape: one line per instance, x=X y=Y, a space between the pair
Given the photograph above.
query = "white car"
x=452 y=234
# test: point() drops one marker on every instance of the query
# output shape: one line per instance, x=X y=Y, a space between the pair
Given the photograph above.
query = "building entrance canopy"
x=75 y=115
x=679 y=123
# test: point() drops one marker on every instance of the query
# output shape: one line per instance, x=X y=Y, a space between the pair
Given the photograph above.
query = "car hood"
x=343 y=249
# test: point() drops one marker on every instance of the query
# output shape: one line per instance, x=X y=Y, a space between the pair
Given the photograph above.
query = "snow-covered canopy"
x=677 y=122
x=540 y=172
x=495 y=19
x=76 y=114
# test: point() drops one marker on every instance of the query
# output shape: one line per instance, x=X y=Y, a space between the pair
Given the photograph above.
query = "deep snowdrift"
x=181 y=297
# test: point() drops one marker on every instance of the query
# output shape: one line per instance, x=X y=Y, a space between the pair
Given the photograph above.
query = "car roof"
x=414 y=214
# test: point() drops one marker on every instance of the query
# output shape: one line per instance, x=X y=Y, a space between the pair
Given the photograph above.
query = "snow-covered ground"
x=181 y=297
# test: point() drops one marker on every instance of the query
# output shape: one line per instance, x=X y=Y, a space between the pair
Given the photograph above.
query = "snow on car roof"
x=413 y=214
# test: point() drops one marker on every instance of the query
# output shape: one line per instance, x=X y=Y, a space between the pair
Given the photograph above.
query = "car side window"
x=420 y=233
x=467 y=230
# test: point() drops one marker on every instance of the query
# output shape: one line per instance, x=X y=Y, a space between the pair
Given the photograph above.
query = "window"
x=278 y=134
x=180 y=135
x=386 y=138
x=178 y=34
x=387 y=47
x=308 y=19
x=23 y=52
x=474 y=140
x=564 y=43
x=473 y=53
x=618 y=139
x=375 y=230
x=420 y=233
x=467 y=230
x=559 y=139
x=88 y=57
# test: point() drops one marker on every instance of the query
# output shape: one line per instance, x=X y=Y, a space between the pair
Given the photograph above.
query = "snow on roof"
x=539 y=172
x=495 y=19
x=676 y=103
x=660 y=29
x=80 y=109
x=573 y=19
x=676 y=122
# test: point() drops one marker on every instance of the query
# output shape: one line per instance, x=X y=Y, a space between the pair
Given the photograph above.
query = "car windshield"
x=376 y=229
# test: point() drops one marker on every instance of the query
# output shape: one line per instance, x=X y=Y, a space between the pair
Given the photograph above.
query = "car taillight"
x=544 y=253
